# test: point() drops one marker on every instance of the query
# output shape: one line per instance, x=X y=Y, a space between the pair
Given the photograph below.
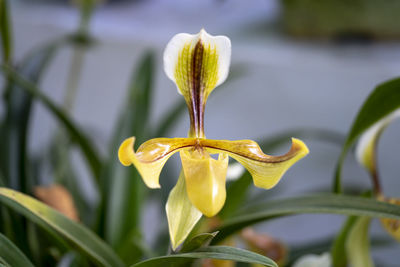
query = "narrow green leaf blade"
x=51 y=220
x=382 y=101
x=5 y=31
x=89 y=151
x=123 y=187
x=212 y=252
x=11 y=255
x=197 y=241
x=335 y=204
x=18 y=113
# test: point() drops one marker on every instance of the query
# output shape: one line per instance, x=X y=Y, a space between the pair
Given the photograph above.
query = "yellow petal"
x=198 y=59
x=205 y=180
x=266 y=170
x=181 y=214
x=151 y=156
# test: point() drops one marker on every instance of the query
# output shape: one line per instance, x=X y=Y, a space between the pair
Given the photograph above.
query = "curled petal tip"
x=125 y=151
x=299 y=145
x=150 y=171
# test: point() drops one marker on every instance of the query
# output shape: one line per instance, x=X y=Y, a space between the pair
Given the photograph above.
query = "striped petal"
x=266 y=170
x=197 y=64
x=151 y=156
x=201 y=60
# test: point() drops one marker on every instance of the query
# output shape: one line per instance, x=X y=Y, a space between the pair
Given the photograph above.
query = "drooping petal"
x=151 y=156
x=181 y=214
x=205 y=180
x=366 y=146
x=191 y=58
x=266 y=170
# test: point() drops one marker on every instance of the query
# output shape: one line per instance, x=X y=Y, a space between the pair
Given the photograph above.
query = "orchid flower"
x=197 y=64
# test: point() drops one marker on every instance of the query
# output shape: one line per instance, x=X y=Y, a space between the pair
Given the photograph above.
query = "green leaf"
x=336 y=204
x=14 y=160
x=125 y=182
x=213 y=252
x=89 y=151
x=11 y=255
x=123 y=189
x=357 y=245
x=382 y=101
x=54 y=222
x=18 y=111
x=5 y=31
x=338 y=250
x=197 y=241
x=235 y=195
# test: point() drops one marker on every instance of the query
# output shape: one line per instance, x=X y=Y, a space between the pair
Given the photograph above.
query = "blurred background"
x=296 y=64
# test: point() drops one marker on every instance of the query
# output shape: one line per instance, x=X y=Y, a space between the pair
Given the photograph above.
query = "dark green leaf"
x=11 y=255
x=18 y=110
x=213 y=252
x=123 y=188
x=5 y=31
x=91 y=154
x=197 y=241
x=14 y=161
x=381 y=102
x=336 y=204
x=51 y=220
x=235 y=195
x=75 y=185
